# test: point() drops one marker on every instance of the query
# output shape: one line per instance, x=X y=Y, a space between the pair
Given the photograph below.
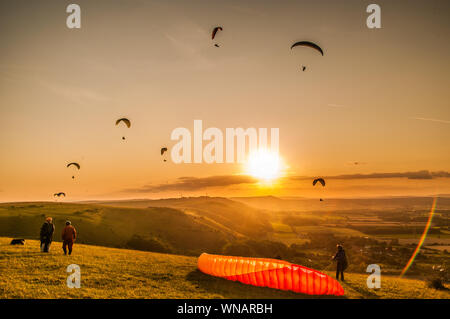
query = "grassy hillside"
x=121 y=273
x=158 y=229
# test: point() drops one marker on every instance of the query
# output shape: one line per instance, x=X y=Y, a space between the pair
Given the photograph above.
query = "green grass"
x=121 y=273
x=337 y=231
x=279 y=227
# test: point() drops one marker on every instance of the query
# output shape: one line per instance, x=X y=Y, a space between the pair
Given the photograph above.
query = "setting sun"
x=264 y=165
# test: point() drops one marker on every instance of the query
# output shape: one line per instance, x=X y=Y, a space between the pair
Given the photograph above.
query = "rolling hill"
x=232 y=215
x=185 y=227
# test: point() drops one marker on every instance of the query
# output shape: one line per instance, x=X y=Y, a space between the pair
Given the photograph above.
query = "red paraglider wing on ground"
x=272 y=273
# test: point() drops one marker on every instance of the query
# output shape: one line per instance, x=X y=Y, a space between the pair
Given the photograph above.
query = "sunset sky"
x=379 y=97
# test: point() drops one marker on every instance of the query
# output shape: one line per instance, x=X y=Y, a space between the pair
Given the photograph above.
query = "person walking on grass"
x=69 y=234
x=342 y=263
x=46 y=235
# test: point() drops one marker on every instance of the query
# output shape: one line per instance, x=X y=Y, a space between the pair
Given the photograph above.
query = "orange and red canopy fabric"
x=272 y=273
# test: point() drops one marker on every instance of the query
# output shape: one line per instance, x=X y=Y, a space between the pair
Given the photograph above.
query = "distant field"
x=338 y=231
x=414 y=239
x=339 y=205
x=121 y=273
x=438 y=247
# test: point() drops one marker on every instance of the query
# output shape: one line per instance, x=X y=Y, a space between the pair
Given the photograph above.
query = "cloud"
x=77 y=94
x=431 y=120
x=424 y=174
x=16 y=73
x=194 y=183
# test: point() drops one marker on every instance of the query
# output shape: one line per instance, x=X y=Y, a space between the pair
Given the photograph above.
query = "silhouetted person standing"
x=46 y=234
x=342 y=263
x=69 y=234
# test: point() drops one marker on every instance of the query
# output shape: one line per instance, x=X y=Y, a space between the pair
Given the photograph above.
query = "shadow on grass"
x=219 y=287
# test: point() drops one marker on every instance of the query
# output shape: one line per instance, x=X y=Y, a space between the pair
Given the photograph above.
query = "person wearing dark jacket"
x=46 y=234
x=342 y=263
x=69 y=234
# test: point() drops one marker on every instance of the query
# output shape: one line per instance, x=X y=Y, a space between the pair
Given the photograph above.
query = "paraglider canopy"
x=125 y=120
x=163 y=150
x=320 y=180
x=60 y=194
x=213 y=35
x=307 y=44
x=74 y=164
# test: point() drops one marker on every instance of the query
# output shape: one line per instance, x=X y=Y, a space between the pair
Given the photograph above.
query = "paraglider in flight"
x=127 y=123
x=272 y=273
x=74 y=164
x=213 y=35
x=357 y=163
x=163 y=150
x=307 y=44
x=320 y=180
x=59 y=194
x=125 y=120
